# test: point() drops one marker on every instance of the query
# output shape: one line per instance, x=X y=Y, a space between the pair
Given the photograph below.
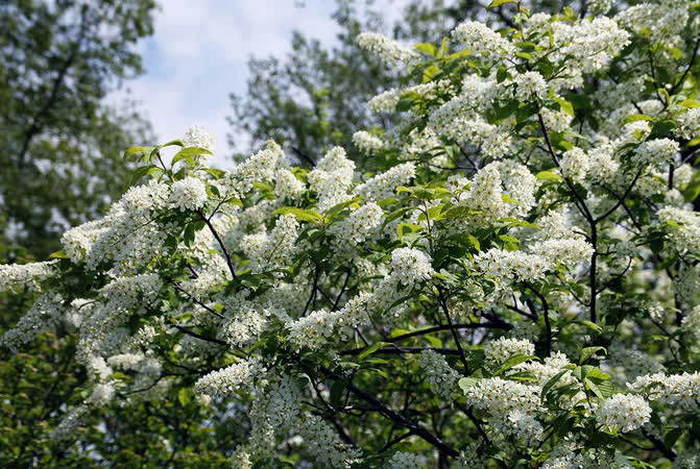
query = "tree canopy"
x=514 y=283
x=507 y=276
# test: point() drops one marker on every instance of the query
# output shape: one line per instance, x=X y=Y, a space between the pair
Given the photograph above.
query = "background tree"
x=60 y=160
x=316 y=96
x=61 y=165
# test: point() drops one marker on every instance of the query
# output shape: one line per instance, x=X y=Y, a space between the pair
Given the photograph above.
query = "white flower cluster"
x=287 y=185
x=655 y=152
x=441 y=377
x=332 y=178
x=268 y=251
x=575 y=165
x=499 y=397
x=366 y=142
x=313 y=330
x=46 y=311
x=383 y=185
x=623 y=412
x=502 y=265
x=385 y=101
x=458 y=121
x=590 y=44
x=529 y=86
x=661 y=21
x=359 y=225
x=387 y=49
x=677 y=390
x=127 y=236
x=197 y=136
x=568 y=251
x=479 y=39
x=500 y=190
x=499 y=350
x=689 y=124
x=325 y=446
x=401 y=460
x=223 y=383
x=410 y=265
x=260 y=167
x=682 y=227
x=14 y=276
x=188 y=194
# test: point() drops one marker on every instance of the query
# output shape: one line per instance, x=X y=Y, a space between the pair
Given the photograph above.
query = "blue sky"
x=198 y=55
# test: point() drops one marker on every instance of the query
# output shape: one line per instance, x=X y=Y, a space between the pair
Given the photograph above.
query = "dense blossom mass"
x=510 y=279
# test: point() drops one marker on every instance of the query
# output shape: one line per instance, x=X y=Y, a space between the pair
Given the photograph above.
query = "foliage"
x=515 y=284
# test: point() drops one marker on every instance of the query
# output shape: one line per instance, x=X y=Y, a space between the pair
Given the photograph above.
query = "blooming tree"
x=515 y=285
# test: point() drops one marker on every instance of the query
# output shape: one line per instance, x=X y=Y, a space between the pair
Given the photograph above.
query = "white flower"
x=287 y=185
x=387 y=49
x=441 y=377
x=28 y=276
x=385 y=102
x=499 y=397
x=682 y=390
x=689 y=124
x=366 y=142
x=410 y=265
x=223 y=383
x=500 y=350
x=188 y=194
x=575 y=165
x=197 y=136
x=358 y=226
x=332 y=178
x=623 y=412
x=504 y=265
x=661 y=150
x=479 y=39
x=101 y=395
x=313 y=330
x=529 y=86
x=401 y=460
x=683 y=228
x=569 y=252
x=384 y=185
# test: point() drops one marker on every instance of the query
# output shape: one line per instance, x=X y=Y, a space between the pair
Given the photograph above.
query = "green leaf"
x=58 y=255
x=137 y=151
x=672 y=436
x=371 y=349
x=466 y=383
x=512 y=361
x=426 y=48
x=637 y=117
x=592 y=326
x=690 y=103
x=593 y=387
x=184 y=396
x=566 y=106
x=405 y=228
x=498 y=3
x=336 y=393
x=431 y=72
x=309 y=215
x=588 y=352
x=189 y=152
x=551 y=382
x=548 y=176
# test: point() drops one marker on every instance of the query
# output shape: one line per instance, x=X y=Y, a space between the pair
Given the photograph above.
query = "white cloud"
x=199 y=52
